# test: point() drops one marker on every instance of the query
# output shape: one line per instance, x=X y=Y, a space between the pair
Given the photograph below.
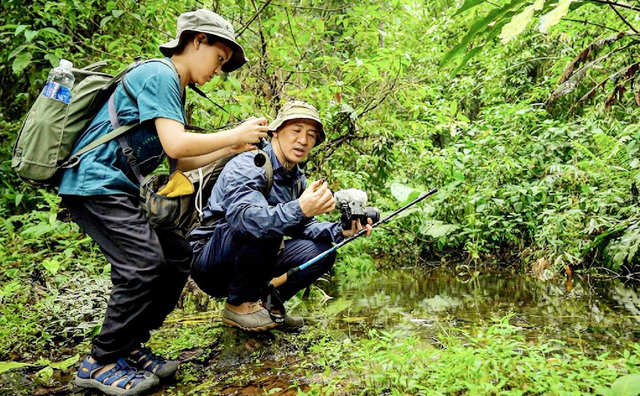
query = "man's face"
x=296 y=138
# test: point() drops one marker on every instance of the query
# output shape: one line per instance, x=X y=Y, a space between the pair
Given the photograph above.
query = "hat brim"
x=277 y=123
x=237 y=60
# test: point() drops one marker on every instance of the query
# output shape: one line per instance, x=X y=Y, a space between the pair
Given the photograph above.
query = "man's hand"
x=317 y=199
x=356 y=227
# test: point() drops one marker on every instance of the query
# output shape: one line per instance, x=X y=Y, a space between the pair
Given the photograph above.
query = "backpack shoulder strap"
x=268 y=172
x=75 y=159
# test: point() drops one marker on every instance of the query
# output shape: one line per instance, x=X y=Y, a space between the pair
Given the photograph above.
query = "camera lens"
x=373 y=214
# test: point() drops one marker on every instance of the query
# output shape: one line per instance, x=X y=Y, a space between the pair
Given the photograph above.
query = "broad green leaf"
x=553 y=17
x=603 y=392
x=519 y=22
x=453 y=108
x=51 y=30
x=51 y=265
x=105 y=20
x=17 y=51
x=65 y=364
x=45 y=374
x=20 y=29
x=6 y=366
x=458 y=175
x=401 y=192
x=235 y=83
x=29 y=35
x=21 y=62
x=628 y=385
x=111 y=5
x=479 y=26
x=52 y=58
x=468 y=4
x=436 y=228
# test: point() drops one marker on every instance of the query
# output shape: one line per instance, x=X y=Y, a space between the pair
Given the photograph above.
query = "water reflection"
x=589 y=314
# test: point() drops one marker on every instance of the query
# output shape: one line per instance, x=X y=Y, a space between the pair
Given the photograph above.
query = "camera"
x=261 y=144
x=352 y=207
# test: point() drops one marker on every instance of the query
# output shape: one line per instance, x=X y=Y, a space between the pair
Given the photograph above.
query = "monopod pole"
x=275 y=282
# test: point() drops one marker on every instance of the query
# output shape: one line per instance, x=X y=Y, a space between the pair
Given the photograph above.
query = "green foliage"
x=494 y=361
x=510 y=19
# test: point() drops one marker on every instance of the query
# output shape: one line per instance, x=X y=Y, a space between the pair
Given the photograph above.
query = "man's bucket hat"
x=297 y=109
x=206 y=21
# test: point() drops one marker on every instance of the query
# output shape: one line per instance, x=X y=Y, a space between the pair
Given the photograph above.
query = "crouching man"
x=242 y=246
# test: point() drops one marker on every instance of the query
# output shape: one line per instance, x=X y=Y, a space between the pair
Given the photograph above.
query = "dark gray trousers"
x=231 y=266
x=149 y=269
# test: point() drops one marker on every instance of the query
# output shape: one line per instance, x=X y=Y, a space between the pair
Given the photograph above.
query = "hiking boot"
x=144 y=359
x=249 y=316
x=292 y=322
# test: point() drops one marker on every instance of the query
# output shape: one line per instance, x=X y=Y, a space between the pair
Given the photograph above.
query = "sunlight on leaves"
x=65 y=364
x=51 y=265
x=552 y=18
x=436 y=228
x=6 y=366
x=401 y=192
x=519 y=22
x=628 y=385
x=468 y=4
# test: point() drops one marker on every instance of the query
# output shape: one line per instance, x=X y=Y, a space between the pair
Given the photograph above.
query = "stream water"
x=588 y=313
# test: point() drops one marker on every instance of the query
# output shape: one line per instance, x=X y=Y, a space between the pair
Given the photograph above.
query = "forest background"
x=522 y=113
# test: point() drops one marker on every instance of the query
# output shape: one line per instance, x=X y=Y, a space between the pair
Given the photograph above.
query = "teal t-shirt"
x=104 y=170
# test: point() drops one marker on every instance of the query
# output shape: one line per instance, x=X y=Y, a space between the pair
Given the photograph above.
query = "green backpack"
x=51 y=127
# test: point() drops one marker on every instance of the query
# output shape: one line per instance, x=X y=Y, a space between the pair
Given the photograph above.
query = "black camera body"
x=354 y=210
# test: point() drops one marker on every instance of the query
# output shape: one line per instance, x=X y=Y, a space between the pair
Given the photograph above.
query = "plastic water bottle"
x=60 y=82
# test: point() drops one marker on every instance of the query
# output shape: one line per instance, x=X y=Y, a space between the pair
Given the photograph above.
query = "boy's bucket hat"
x=206 y=21
x=297 y=109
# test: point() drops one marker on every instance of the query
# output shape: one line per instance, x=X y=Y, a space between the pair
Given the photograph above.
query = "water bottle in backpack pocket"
x=60 y=82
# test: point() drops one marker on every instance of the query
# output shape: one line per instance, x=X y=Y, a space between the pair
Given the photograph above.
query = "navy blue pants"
x=239 y=268
x=149 y=269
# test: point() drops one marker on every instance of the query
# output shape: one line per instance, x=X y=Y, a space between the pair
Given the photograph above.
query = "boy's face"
x=210 y=61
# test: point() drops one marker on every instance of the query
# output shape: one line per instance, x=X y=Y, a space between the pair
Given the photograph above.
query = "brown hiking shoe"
x=292 y=322
x=249 y=316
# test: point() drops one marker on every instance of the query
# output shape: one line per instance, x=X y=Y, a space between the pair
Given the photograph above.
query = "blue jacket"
x=237 y=196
